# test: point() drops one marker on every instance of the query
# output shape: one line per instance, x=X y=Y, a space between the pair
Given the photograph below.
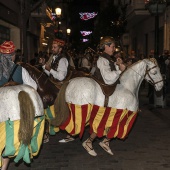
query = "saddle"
x=107 y=90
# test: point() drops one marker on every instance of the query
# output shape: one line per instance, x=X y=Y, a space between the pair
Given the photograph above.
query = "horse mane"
x=130 y=67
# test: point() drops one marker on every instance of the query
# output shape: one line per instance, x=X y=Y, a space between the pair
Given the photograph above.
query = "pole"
x=156 y=34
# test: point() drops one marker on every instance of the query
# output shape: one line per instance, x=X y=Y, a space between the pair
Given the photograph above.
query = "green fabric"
x=34 y=144
x=9 y=148
x=50 y=116
x=23 y=153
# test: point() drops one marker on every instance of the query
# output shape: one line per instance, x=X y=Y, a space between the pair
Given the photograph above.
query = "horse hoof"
x=91 y=151
x=106 y=148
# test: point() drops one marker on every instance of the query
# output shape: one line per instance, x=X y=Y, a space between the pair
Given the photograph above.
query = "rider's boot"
x=87 y=144
x=68 y=138
x=105 y=145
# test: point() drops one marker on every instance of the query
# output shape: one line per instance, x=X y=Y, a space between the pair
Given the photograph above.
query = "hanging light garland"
x=87 y=15
x=85 y=33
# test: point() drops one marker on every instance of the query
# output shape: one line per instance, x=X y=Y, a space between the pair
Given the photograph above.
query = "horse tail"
x=60 y=107
x=27 y=111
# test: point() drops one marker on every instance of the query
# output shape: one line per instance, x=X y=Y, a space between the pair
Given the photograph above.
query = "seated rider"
x=57 y=68
x=9 y=71
x=58 y=65
x=107 y=71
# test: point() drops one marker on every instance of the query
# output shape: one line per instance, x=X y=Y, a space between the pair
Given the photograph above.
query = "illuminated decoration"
x=85 y=40
x=85 y=33
x=53 y=16
x=87 y=15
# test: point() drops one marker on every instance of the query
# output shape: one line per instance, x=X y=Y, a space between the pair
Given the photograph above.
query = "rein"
x=152 y=81
x=147 y=73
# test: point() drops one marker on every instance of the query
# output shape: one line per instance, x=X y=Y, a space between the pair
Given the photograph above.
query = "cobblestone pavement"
x=146 y=148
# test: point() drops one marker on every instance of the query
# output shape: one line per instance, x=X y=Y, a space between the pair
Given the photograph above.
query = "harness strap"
x=10 y=77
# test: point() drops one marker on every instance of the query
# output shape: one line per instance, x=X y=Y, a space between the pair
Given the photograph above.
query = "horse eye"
x=154 y=72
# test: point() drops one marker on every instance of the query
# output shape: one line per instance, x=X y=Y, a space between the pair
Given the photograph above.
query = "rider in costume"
x=58 y=64
x=9 y=71
x=56 y=68
x=107 y=71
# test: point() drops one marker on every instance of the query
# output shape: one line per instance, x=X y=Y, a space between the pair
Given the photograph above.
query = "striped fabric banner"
x=50 y=114
x=78 y=119
x=104 y=121
x=10 y=145
x=111 y=122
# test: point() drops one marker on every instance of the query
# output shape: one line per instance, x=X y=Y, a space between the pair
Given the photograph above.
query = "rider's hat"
x=107 y=40
x=59 y=42
x=7 y=47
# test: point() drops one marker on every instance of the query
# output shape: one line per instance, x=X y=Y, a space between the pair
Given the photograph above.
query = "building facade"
x=141 y=29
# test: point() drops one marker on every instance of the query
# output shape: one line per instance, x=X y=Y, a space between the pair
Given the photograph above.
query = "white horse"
x=84 y=90
x=21 y=123
x=115 y=119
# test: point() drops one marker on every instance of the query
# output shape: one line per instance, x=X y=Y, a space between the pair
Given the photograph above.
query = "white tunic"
x=109 y=76
x=61 y=72
x=27 y=79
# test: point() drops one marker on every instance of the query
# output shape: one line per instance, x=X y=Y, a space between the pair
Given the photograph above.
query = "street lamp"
x=156 y=7
x=68 y=31
x=58 y=14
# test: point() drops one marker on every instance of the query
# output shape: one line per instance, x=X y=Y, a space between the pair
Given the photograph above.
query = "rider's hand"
x=122 y=67
x=47 y=67
x=119 y=61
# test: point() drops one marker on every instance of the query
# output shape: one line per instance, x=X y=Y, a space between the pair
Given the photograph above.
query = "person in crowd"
x=18 y=56
x=108 y=72
x=84 y=62
x=56 y=68
x=162 y=60
x=133 y=56
x=9 y=71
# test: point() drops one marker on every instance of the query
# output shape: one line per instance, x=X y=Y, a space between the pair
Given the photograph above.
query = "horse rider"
x=57 y=68
x=108 y=71
x=11 y=72
x=58 y=64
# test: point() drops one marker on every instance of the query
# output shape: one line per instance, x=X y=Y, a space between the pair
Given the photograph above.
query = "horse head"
x=45 y=88
x=146 y=69
x=152 y=74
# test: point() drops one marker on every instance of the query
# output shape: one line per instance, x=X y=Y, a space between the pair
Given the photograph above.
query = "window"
x=4 y=34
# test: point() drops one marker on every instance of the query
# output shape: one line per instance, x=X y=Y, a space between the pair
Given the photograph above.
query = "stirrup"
x=106 y=147
x=87 y=147
x=66 y=139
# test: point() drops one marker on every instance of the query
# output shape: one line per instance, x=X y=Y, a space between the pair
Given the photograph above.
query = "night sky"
x=77 y=24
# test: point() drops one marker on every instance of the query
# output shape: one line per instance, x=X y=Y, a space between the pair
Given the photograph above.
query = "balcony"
x=136 y=12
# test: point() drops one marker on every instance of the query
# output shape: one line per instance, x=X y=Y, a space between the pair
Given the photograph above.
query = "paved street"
x=146 y=148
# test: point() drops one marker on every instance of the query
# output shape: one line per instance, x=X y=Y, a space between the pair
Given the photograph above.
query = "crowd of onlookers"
x=85 y=60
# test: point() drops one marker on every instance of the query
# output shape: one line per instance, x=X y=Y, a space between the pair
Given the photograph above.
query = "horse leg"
x=87 y=144
x=5 y=163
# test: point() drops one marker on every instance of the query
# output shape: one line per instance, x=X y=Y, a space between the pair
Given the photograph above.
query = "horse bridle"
x=151 y=81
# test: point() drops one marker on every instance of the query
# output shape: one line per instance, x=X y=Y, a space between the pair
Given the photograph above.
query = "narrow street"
x=146 y=148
